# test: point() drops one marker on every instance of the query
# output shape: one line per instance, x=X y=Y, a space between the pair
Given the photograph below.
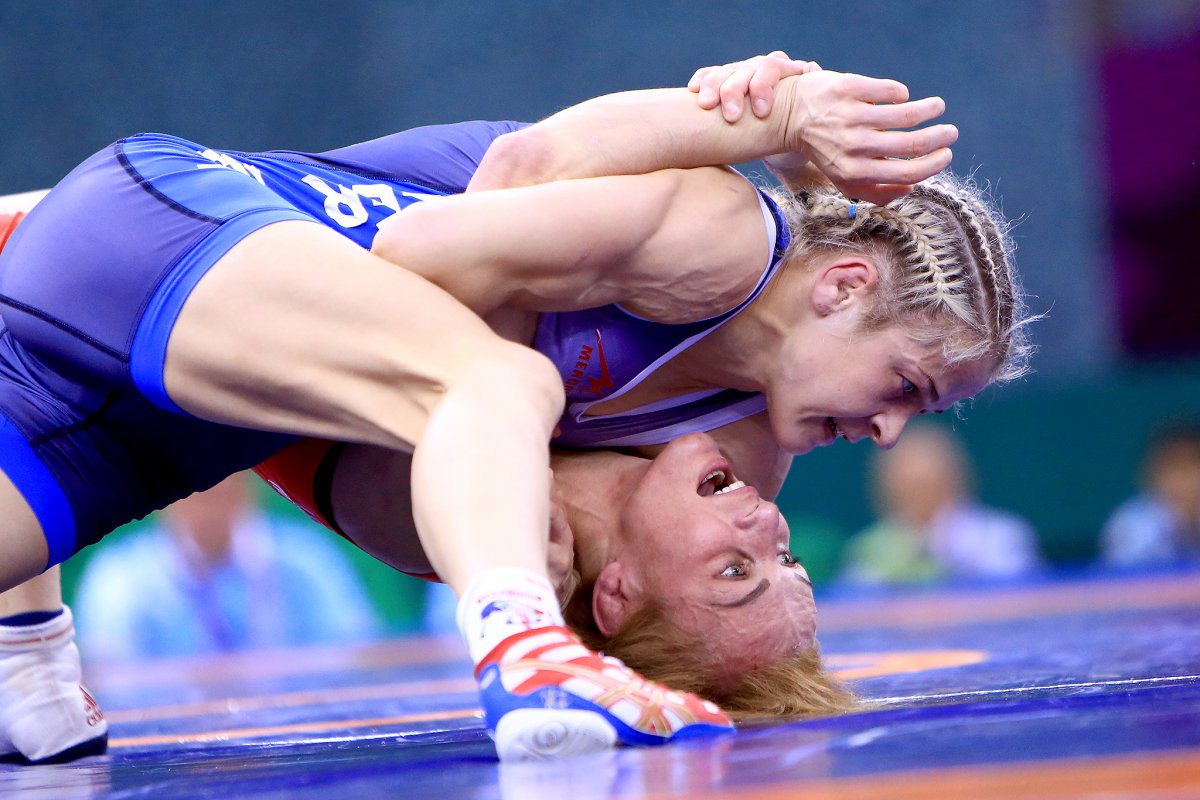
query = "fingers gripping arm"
x=754 y=78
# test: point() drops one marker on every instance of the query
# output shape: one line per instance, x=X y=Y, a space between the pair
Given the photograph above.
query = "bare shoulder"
x=709 y=252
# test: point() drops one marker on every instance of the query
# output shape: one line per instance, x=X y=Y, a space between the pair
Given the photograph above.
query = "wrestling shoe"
x=46 y=716
x=545 y=695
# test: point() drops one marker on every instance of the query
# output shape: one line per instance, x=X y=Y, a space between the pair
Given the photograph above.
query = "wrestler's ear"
x=611 y=601
x=843 y=282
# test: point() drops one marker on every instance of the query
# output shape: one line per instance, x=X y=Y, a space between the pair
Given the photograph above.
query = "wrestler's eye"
x=733 y=571
x=788 y=560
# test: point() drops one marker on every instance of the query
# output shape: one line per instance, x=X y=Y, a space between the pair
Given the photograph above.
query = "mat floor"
x=1079 y=688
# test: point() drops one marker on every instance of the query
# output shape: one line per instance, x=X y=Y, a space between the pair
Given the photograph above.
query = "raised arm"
x=845 y=124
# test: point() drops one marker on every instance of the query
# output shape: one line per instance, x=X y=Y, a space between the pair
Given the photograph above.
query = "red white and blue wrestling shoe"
x=46 y=716
x=545 y=695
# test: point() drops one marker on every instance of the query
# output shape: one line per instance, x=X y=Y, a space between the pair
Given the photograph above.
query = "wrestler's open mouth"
x=718 y=482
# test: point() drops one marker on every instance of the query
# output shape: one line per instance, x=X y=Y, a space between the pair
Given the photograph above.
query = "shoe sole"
x=542 y=733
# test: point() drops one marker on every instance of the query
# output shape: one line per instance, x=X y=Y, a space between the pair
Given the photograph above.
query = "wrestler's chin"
x=805 y=439
x=799 y=447
x=804 y=434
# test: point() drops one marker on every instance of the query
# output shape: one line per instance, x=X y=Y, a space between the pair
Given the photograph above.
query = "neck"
x=742 y=353
x=592 y=488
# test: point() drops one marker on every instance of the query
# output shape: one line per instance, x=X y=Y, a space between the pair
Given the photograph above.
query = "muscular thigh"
x=88 y=458
x=297 y=329
x=78 y=279
x=89 y=278
x=21 y=538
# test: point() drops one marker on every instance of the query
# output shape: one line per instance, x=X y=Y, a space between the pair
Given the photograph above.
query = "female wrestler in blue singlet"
x=181 y=305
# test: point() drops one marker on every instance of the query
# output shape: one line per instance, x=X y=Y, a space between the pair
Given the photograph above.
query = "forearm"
x=861 y=133
x=630 y=133
x=467 y=519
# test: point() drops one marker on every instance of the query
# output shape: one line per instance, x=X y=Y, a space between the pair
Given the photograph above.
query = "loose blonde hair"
x=798 y=686
x=948 y=258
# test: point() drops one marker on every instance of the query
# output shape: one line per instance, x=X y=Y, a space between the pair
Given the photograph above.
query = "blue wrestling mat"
x=1069 y=689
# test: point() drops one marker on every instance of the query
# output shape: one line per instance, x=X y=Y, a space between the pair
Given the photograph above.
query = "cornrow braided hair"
x=948 y=258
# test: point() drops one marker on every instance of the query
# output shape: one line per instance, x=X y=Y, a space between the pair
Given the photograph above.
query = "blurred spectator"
x=213 y=573
x=930 y=527
x=1160 y=526
x=441 y=607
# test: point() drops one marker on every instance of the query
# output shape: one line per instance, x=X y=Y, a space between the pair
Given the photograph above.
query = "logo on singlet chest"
x=595 y=385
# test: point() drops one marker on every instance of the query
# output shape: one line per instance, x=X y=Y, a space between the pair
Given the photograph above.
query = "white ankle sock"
x=21 y=638
x=501 y=602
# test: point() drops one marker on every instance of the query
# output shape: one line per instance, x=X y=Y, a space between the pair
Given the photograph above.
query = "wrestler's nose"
x=765 y=527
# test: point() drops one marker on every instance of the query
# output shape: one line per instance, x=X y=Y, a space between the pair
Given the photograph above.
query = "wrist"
x=789 y=114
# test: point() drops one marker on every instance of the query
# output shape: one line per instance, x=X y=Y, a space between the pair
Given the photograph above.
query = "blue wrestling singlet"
x=91 y=284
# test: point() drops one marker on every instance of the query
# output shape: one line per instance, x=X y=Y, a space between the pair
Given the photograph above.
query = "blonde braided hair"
x=946 y=257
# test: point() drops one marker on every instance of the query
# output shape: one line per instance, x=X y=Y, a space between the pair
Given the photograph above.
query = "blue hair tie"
x=853 y=210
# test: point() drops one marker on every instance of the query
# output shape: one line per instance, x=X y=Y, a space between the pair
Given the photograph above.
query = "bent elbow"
x=520 y=158
x=402 y=238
